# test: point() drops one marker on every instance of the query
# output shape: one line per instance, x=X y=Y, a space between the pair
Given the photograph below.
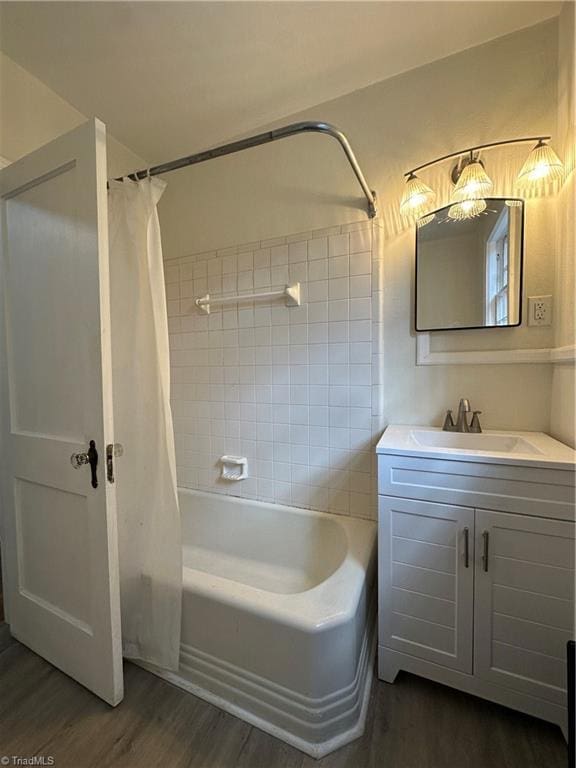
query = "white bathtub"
x=277 y=620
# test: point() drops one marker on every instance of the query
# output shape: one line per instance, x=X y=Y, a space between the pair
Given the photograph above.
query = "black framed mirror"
x=469 y=264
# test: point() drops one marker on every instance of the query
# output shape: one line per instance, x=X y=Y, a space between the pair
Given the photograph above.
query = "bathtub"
x=278 y=617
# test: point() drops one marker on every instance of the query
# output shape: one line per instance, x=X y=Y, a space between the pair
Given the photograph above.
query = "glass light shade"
x=423 y=220
x=473 y=184
x=416 y=198
x=467 y=209
x=542 y=164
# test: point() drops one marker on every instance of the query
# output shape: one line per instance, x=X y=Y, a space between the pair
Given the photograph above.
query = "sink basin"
x=523 y=448
x=491 y=442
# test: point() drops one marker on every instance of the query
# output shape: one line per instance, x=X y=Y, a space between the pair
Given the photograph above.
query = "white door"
x=426 y=580
x=60 y=538
x=524 y=602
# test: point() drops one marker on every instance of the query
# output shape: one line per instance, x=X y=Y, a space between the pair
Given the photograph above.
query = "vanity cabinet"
x=426 y=586
x=474 y=595
x=524 y=603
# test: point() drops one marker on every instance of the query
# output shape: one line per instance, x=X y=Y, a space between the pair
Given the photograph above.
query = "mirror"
x=469 y=271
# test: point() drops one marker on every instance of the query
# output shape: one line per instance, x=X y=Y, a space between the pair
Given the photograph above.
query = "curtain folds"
x=148 y=514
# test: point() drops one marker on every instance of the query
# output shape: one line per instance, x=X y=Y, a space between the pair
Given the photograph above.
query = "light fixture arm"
x=471 y=150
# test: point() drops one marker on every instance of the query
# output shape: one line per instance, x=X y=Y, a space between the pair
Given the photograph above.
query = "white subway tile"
x=318 y=395
x=338 y=288
x=338 y=245
x=360 y=286
x=317 y=290
x=338 y=310
x=229 y=265
x=299 y=334
x=298 y=251
x=339 y=396
x=279 y=275
x=318 y=312
x=318 y=416
x=360 y=309
x=317 y=333
x=298 y=273
x=245 y=262
x=299 y=374
x=338 y=266
x=360 y=330
x=262 y=258
x=360 y=241
x=318 y=270
x=361 y=263
x=279 y=255
x=253 y=378
x=300 y=453
x=317 y=248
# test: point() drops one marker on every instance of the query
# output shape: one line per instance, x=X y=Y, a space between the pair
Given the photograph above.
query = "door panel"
x=524 y=603
x=425 y=588
x=61 y=541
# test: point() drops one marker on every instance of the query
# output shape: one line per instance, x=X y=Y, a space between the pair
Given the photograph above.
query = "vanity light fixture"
x=417 y=196
x=472 y=183
x=541 y=164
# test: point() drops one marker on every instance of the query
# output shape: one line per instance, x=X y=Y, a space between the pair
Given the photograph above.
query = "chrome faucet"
x=462 y=419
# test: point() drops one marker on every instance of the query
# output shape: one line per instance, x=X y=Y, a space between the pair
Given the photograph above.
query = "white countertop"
x=534 y=449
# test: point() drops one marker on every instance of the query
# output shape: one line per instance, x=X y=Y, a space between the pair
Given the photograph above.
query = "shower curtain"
x=150 y=544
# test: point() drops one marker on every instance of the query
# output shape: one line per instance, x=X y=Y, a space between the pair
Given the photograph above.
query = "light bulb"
x=416 y=198
x=541 y=164
x=473 y=184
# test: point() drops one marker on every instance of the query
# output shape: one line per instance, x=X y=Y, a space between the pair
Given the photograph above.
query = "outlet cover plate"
x=540 y=310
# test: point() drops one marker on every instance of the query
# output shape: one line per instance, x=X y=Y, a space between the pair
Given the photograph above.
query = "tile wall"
x=290 y=388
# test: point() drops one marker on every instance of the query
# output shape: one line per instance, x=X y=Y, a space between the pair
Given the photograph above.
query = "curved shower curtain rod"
x=265 y=138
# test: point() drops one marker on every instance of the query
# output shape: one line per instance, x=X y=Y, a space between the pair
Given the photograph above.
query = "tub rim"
x=332 y=602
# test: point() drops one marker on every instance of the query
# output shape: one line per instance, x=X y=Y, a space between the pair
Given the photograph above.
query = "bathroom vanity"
x=476 y=563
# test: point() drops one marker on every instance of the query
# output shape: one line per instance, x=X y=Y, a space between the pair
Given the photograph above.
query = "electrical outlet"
x=540 y=310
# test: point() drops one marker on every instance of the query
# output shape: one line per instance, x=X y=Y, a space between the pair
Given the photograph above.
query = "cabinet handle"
x=466 y=547
x=485 y=535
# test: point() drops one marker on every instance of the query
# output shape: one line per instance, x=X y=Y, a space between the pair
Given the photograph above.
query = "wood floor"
x=412 y=724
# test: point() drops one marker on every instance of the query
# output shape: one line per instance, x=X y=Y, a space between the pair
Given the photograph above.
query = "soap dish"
x=234 y=467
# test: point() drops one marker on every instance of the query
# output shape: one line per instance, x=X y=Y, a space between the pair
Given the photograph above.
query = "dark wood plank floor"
x=412 y=724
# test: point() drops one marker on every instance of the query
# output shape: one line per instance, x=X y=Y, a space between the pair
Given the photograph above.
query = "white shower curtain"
x=148 y=513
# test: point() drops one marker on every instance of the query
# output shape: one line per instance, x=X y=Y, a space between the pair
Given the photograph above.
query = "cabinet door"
x=426 y=580
x=524 y=602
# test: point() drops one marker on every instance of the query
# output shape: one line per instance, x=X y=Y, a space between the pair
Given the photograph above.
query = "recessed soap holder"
x=234 y=467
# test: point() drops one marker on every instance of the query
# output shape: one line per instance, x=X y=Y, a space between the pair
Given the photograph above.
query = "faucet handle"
x=475 y=423
x=448 y=425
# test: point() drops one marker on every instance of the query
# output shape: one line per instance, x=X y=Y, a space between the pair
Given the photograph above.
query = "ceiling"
x=170 y=78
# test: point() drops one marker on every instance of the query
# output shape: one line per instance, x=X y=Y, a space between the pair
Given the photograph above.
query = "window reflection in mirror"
x=469 y=271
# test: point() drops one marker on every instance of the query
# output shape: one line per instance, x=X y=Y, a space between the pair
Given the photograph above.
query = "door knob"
x=88 y=457
x=112 y=450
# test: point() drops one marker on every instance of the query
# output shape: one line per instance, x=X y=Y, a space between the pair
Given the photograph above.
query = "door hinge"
x=112 y=450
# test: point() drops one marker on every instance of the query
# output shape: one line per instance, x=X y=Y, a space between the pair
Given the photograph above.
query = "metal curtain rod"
x=475 y=149
x=265 y=138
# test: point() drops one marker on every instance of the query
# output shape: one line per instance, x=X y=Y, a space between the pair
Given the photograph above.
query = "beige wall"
x=32 y=115
x=503 y=89
x=563 y=417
